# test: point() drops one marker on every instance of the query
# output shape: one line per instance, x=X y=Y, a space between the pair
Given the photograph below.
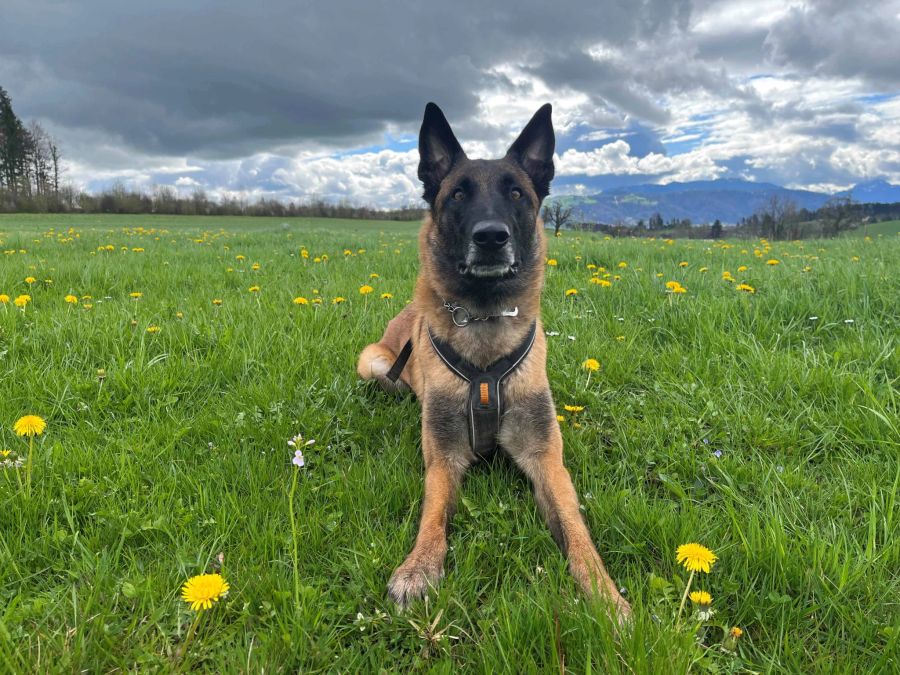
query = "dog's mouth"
x=488 y=271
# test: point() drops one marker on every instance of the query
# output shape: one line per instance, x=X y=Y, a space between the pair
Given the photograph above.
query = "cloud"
x=616 y=158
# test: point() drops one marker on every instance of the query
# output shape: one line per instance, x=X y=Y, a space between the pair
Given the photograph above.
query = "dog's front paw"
x=622 y=610
x=413 y=578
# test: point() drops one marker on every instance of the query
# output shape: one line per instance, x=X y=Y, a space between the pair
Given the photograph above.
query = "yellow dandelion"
x=704 y=269
x=136 y=294
x=701 y=598
x=317 y=301
x=240 y=257
x=4 y=298
x=347 y=251
x=683 y=263
x=317 y=260
x=603 y=283
x=746 y=287
x=254 y=289
x=201 y=591
x=365 y=289
x=736 y=632
x=742 y=268
x=622 y=265
x=695 y=557
x=387 y=296
x=29 y=425
x=179 y=315
x=71 y=299
x=573 y=408
x=30 y=280
x=552 y=262
x=620 y=338
x=373 y=275
x=300 y=300
x=591 y=364
x=254 y=266
x=338 y=300
x=152 y=329
x=22 y=300
x=571 y=292
x=217 y=301
x=560 y=418
x=773 y=261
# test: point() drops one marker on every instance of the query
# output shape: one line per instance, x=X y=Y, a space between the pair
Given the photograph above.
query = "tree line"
x=30 y=161
x=778 y=218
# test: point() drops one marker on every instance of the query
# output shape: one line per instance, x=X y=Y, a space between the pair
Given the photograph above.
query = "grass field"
x=763 y=425
x=886 y=228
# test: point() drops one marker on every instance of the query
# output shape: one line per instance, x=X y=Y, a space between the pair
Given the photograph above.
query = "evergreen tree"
x=13 y=146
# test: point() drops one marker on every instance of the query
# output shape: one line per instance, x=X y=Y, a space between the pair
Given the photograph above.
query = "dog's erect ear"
x=438 y=151
x=533 y=150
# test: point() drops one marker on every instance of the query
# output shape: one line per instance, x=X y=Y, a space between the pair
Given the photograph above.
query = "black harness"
x=485 y=407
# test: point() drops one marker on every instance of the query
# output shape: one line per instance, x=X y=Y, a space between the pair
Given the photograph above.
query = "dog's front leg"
x=445 y=464
x=532 y=438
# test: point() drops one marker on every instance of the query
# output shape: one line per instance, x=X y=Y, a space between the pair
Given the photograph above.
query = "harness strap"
x=485 y=407
x=400 y=363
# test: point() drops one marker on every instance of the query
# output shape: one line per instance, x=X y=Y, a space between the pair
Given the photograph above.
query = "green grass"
x=732 y=419
x=885 y=228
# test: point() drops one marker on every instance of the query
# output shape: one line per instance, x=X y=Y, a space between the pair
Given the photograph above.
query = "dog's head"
x=484 y=239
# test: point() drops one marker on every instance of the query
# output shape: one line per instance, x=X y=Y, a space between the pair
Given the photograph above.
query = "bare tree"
x=558 y=214
x=777 y=216
x=836 y=215
x=55 y=167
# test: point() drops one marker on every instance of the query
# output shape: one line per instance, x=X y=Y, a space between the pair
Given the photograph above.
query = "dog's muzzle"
x=490 y=251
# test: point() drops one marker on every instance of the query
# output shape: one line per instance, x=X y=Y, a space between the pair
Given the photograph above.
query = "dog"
x=472 y=349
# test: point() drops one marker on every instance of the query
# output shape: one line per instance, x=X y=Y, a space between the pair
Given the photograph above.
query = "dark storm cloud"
x=842 y=39
x=228 y=79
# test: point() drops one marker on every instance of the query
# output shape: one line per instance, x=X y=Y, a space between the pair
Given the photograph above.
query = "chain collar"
x=462 y=316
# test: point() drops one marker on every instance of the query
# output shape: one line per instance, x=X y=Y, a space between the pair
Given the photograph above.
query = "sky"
x=299 y=100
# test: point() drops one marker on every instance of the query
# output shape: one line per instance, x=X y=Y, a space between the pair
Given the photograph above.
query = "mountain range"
x=729 y=200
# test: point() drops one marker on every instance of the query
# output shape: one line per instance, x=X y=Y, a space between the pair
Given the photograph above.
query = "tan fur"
x=481 y=343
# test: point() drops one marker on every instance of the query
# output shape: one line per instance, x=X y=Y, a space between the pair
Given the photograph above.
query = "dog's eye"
x=459 y=195
x=516 y=193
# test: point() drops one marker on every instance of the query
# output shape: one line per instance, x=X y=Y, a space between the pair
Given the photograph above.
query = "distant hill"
x=874 y=191
x=729 y=200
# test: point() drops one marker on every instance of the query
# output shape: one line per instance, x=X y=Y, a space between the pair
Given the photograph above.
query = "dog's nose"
x=490 y=234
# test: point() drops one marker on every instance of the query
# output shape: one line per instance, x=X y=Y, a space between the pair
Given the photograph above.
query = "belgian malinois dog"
x=472 y=348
